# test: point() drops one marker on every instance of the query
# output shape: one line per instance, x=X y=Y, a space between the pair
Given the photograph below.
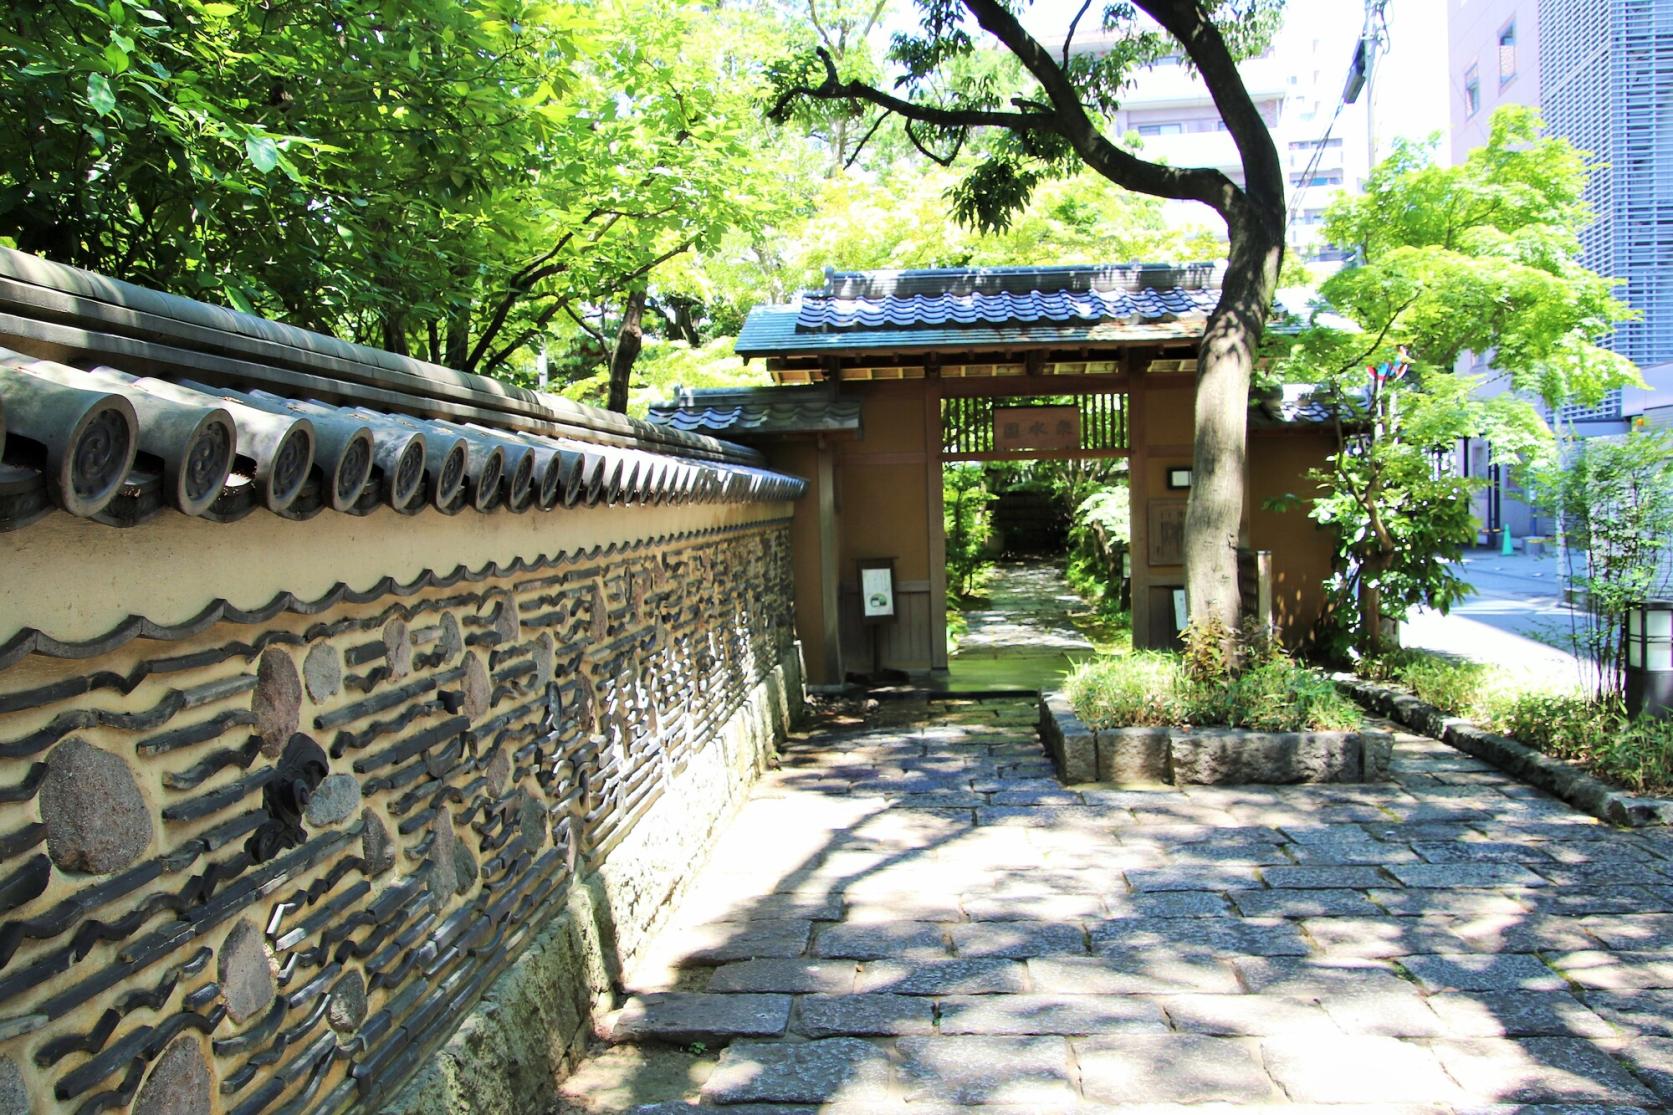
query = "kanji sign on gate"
x=1036 y=427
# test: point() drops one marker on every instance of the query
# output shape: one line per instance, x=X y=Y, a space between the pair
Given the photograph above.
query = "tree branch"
x=833 y=88
x=1072 y=122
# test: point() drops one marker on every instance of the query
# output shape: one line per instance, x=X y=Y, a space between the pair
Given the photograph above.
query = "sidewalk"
x=1517 y=606
x=915 y=918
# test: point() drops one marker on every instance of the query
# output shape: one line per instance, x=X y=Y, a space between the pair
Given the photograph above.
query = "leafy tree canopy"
x=425 y=174
x=1472 y=259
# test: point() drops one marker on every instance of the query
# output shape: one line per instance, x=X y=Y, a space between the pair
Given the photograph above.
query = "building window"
x=1319 y=178
x=1160 y=129
x=1472 y=92
x=1314 y=144
x=1507 y=53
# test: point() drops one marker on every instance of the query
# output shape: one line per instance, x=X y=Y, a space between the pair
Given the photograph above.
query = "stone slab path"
x=913 y=916
x=1024 y=635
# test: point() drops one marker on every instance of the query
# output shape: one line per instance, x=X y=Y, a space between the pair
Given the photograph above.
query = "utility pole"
x=1372 y=40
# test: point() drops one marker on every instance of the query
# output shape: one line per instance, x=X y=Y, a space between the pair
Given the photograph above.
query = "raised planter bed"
x=1181 y=756
x=1564 y=780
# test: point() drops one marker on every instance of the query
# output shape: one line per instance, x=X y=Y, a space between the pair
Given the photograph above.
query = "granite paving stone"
x=1018 y=939
x=1482 y=972
x=976 y=976
x=982 y=1070
x=819 y=1071
x=1176 y=1068
x=1352 y=1069
x=1493 y=1014
x=877 y=940
x=822 y=1016
x=1250 y=1015
x=798 y=975
x=679 y=1017
x=1539 y=1070
x=1383 y=1014
x=1049 y=1014
x=1634 y=1012
x=857 y=948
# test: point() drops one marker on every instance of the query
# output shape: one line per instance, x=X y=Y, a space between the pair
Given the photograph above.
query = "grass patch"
x=1458 y=687
x=1152 y=689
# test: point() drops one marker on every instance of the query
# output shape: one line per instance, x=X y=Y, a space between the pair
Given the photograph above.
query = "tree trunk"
x=1371 y=570
x=394 y=335
x=458 y=351
x=1214 y=511
x=628 y=342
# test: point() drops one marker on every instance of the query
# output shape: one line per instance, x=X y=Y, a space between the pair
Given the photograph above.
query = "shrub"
x=1134 y=690
x=1151 y=689
x=1456 y=686
x=1637 y=754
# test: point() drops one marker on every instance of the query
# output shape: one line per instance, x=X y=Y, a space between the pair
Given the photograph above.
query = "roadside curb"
x=1562 y=779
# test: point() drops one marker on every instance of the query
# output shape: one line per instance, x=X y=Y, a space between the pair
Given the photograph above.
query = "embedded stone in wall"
x=531 y=820
x=348 y=1003
x=506 y=624
x=443 y=879
x=479 y=690
x=14 y=1093
x=245 y=973
x=375 y=846
x=465 y=869
x=544 y=656
x=451 y=641
x=397 y=643
x=96 y=819
x=498 y=774
x=322 y=670
x=179 y=1082
x=277 y=700
x=333 y=800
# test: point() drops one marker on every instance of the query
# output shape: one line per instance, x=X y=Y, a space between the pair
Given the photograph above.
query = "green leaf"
x=263 y=153
x=220 y=10
x=99 y=94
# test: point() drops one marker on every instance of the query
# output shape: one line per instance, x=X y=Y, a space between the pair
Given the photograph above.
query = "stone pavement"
x=913 y=916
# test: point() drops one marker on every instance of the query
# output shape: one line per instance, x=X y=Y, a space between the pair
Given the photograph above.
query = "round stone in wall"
x=277 y=701
x=450 y=642
x=333 y=800
x=479 y=692
x=179 y=1082
x=322 y=670
x=96 y=818
x=397 y=642
x=348 y=1003
x=245 y=973
x=375 y=846
x=14 y=1092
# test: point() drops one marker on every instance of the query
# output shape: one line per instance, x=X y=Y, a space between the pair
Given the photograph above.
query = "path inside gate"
x=911 y=915
x=1024 y=635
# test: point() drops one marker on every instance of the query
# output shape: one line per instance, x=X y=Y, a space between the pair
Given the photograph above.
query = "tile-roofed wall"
x=118 y=427
x=1005 y=307
x=282 y=801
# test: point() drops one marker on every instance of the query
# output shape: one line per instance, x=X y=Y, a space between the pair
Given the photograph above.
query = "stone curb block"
x=1555 y=776
x=1207 y=756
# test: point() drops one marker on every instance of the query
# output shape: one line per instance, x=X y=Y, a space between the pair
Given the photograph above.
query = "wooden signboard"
x=1048 y=427
x=1167 y=532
